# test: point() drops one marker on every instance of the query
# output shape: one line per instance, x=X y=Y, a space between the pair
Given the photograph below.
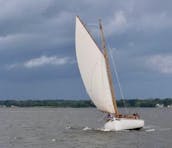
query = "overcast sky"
x=37 y=50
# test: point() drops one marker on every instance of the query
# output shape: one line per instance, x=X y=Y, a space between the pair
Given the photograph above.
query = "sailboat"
x=94 y=68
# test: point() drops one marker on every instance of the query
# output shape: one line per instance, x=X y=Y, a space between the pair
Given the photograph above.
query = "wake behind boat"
x=96 y=74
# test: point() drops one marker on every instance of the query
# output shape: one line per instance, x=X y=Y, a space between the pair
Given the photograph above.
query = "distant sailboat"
x=95 y=72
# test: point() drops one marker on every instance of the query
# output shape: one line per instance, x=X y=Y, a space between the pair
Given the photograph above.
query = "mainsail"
x=92 y=66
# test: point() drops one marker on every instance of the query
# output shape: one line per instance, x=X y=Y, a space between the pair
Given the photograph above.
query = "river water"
x=80 y=128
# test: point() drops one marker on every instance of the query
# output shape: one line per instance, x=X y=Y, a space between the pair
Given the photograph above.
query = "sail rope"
x=117 y=78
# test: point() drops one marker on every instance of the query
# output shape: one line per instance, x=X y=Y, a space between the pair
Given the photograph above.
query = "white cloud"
x=42 y=61
x=117 y=24
x=153 y=21
x=161 y=63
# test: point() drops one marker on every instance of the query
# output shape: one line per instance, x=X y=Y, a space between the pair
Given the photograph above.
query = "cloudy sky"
x=37 y=50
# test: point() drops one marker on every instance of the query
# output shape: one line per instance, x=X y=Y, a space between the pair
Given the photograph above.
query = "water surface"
x=80 y=128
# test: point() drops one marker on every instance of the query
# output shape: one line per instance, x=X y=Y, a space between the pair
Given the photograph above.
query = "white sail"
x=92 y=67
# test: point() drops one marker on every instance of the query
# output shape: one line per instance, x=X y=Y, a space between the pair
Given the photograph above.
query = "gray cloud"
x=140 y=31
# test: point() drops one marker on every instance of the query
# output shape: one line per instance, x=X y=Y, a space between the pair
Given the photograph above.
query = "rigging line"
x=117 y=78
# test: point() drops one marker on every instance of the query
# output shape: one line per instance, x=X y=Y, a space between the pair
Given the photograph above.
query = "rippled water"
x=80 y=128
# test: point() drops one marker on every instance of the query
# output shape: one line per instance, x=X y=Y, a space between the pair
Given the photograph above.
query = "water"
x=80 y=128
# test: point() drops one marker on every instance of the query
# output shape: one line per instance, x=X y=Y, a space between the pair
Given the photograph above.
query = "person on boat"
x=109 y=117
x=136 y=115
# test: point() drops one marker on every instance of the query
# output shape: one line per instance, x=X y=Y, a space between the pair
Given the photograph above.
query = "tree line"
x=84 y=103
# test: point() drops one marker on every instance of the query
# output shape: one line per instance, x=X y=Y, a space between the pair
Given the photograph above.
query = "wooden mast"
x=108 y=68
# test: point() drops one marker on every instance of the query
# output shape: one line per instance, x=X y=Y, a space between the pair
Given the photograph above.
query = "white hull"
x=123 y=124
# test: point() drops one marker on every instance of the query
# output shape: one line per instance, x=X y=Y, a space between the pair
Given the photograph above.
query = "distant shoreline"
x=167 y=102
